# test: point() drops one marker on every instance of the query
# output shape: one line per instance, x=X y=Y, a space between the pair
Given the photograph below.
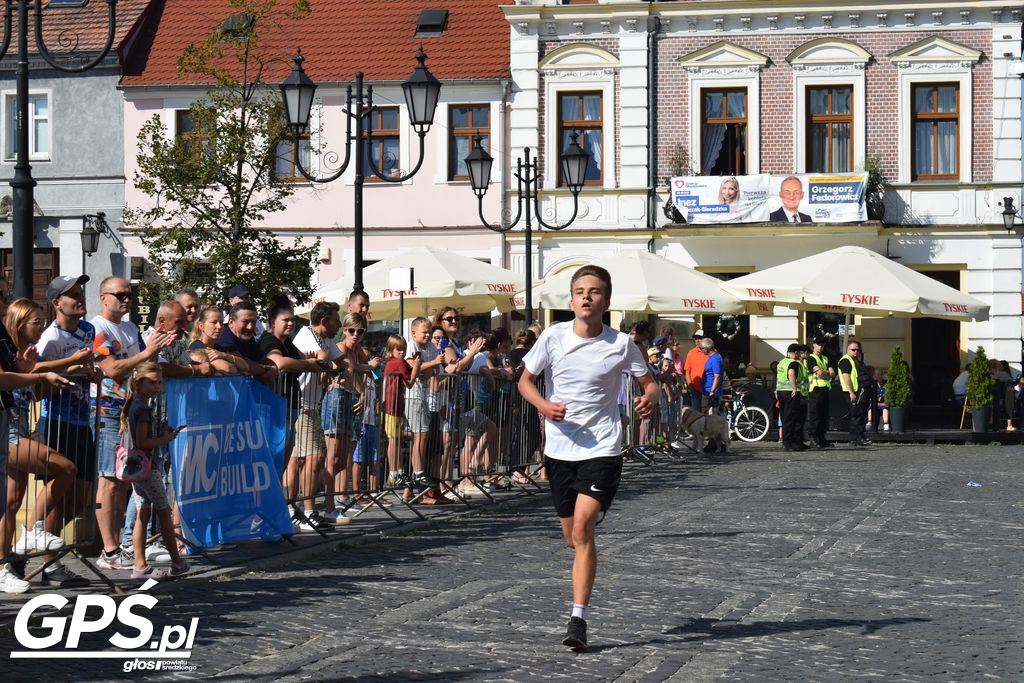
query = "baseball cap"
x=699 y=334
x=238 y=290
x=654 y=350
x=658 y=341
x=820 y=341
x=62 y=283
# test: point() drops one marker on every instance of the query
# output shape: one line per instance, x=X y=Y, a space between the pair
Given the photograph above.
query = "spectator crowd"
x=430 y=419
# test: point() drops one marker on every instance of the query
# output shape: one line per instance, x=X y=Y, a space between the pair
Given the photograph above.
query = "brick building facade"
x=638 y=71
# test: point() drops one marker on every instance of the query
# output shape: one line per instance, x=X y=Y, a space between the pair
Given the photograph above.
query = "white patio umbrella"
x=647 y=283
x=856 y=281
x=440 y=278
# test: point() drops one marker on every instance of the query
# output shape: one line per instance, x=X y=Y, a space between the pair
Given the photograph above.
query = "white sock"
x=579 y=611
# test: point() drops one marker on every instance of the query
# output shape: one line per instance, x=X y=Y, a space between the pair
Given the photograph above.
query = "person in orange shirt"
x=693 y=371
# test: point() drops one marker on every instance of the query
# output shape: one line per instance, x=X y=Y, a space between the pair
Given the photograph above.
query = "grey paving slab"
x=846 y=565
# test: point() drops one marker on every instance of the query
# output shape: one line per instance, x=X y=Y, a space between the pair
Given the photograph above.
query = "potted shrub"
x=897 y=390
x=979 y=391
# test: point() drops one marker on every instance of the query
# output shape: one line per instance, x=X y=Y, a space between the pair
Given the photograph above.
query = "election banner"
x=764 y=198
x=227 y=462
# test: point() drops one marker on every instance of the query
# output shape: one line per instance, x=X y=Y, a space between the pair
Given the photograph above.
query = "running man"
x=583 y=361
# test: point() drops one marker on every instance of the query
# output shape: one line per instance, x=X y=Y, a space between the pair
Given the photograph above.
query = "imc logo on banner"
x=213 y=445
x=58 y=637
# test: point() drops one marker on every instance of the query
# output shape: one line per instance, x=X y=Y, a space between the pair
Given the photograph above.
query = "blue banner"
x=227 y=463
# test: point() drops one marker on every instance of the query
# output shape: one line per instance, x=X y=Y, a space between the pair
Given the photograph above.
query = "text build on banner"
x=808 y=198
x=227 y=463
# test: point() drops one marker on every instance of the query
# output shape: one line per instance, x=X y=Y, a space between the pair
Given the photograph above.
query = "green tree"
x=979 y=381
x=897 y=386
x=211 y=185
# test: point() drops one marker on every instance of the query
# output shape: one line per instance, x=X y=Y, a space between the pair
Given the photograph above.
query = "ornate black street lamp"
x=574 y=172
x=421 y=93
x=23 y=184
x=1009 y=213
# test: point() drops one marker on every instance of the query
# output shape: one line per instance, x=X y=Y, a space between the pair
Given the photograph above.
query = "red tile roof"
x=338 y=38
x=83 y=29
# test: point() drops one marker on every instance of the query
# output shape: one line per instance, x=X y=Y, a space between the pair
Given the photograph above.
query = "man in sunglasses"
x=118 y=348
x=855 y=380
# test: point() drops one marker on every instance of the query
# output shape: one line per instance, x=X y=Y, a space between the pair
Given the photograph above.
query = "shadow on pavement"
x=699 y=630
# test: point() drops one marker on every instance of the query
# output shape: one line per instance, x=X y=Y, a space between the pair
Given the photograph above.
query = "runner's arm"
x=645 y=403
x=529 y=391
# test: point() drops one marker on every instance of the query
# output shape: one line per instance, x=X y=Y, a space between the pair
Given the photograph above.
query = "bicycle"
x=748 y=423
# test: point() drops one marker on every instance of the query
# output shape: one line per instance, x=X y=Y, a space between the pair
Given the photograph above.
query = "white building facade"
x=633 y=76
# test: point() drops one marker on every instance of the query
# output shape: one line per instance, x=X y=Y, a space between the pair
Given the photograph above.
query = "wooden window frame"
x=377 y=136
x=295 y=176
x=580 y=125
x=728 y=121
x=467 y=131
x=829 y=120
x=196 y=139
x=934 y=116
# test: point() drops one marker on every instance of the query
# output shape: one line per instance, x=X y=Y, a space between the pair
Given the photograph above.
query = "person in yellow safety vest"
x=791 y=390
x=820 y=380
x=855 y=380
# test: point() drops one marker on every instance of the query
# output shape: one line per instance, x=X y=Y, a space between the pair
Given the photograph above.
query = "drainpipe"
x=506 y=154
x=652 y=109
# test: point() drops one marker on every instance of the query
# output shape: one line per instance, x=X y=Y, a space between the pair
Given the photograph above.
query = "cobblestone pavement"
x=764 y=566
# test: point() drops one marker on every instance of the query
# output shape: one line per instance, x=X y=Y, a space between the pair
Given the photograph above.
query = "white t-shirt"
x=585 y=375
x=311 y=385
x=119 y=340
x=421 y=386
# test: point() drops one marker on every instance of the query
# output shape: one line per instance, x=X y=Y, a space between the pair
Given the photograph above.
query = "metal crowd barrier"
x=51 y=509
x=646 y=438
x=380 y=444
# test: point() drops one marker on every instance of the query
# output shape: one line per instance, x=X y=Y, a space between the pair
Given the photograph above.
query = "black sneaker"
x=576 y=635
x=61 y=577
x=317 y=520
x=16 y=564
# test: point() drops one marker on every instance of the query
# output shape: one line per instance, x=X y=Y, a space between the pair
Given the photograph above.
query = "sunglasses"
x=451 y=319
x=120 y=296
x=355 y=331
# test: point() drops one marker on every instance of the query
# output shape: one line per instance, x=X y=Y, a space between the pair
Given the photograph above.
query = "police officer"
x=791 y=390
x=820 y=377
x=856 y=382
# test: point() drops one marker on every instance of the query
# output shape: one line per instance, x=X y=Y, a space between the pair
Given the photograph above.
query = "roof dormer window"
x=431 y=23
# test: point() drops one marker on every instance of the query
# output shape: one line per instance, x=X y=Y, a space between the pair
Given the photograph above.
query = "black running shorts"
x=596 y=477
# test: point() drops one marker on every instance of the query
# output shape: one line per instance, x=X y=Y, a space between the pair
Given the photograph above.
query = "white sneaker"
x=37 y=538
x=10 y=583
x=156 y=552
x=885 y=428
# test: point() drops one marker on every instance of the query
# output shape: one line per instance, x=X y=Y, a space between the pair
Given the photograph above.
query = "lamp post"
x=1009 y=213
x=23 y=184
x=421 y=92
x=574 y=172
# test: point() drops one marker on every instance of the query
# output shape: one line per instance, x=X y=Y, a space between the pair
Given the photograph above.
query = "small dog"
x=706 y=430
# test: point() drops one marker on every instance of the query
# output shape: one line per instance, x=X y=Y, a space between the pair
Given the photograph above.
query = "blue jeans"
x=107 y=439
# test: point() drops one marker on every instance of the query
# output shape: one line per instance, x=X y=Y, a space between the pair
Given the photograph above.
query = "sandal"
x=179 y=569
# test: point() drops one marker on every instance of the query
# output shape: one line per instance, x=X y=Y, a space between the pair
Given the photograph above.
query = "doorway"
x=44 y=268
x=935 y=350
